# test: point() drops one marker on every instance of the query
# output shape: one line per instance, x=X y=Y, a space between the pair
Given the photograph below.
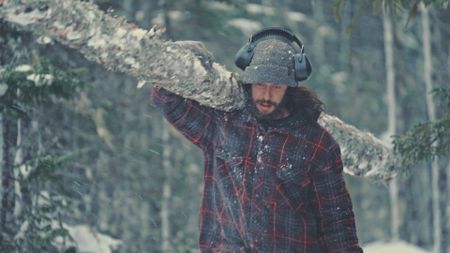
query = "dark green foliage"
x=42 y=203
x=44 y=194
x=40 y=84
x=428 y=139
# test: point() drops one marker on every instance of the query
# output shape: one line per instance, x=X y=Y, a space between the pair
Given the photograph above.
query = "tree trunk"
x=2 y=176
x=392 y=116
x=345 y=42
x=438 y=173
x=7 y=203
x=184 y=67
x=18 y=159
x=167 y=192
x=319 y=46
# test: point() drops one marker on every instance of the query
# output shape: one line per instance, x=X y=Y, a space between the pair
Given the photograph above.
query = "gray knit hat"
x=272 y=62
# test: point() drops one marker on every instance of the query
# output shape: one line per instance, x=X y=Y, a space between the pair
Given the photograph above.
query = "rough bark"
x=184 y=67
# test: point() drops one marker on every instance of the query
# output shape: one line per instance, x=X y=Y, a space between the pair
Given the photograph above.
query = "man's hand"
x=199 y=49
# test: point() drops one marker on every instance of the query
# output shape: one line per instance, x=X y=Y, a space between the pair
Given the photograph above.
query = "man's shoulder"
x=322 y=136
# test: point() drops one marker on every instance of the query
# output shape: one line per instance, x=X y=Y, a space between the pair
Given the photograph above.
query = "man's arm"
x=194 y=121
x=333 y=203
x=197 y=123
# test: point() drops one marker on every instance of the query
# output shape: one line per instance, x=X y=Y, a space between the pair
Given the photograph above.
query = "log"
x=186 y=68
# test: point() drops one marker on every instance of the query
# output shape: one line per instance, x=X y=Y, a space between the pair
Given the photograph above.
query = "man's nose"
x=267 y=93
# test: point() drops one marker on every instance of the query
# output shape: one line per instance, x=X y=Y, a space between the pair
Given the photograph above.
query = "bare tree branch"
x=184 y=67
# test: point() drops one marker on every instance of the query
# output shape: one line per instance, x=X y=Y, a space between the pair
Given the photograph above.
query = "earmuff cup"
x=244 y=56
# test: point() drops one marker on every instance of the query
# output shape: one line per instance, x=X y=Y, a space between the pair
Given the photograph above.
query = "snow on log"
x=184 y=67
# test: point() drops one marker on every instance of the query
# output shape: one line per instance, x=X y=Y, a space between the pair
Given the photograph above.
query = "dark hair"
x=304 y=100
x=297 y=99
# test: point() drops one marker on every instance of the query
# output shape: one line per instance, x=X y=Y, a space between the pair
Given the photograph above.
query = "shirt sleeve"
x=336 y=219
x=194 y=121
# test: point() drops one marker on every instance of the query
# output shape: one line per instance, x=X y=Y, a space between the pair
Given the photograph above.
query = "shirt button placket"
x=254 y=177
x=259 y=150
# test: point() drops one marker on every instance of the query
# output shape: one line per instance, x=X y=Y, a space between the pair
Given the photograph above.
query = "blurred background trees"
x=81 y=145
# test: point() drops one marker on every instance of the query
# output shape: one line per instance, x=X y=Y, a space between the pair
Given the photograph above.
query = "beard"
x=277 y=113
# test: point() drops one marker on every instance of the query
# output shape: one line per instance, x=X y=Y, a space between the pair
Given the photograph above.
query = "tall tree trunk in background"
x=18 y=159
x=319 y=47
x=442 y=75
x=7 y=202
x=166 y=156
x=392 y=115
x=2 y=176
x=3 y=171
x=164 y=5
x=167 y=192
x=438 y=173
x=345 y=42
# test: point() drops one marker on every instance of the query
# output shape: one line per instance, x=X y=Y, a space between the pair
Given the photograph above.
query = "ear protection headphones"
x=302 y=66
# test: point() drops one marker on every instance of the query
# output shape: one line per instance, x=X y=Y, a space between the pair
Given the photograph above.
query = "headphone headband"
x=279 y=32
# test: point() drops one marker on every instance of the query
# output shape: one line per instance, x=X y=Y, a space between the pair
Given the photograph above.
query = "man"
x=273 y=177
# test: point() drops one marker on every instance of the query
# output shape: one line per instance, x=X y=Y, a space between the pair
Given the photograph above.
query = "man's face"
x=267 y=98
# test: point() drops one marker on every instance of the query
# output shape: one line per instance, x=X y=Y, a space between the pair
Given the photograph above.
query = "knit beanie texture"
x=272 y=62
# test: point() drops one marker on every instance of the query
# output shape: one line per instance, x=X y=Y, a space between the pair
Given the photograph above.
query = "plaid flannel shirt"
x=265 y=190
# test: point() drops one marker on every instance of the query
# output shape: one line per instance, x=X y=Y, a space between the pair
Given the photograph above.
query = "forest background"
x=84 y=148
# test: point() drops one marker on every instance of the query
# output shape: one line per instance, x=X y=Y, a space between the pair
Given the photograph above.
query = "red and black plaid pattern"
x=278 y=189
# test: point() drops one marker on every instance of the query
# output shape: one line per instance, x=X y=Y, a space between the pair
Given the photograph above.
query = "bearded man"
x=273 y=176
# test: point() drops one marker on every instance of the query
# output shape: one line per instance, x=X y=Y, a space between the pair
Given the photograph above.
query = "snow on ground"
x=87 y=240
x=393 y=247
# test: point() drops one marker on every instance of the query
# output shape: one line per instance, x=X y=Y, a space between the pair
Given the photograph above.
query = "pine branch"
x=184 y=67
